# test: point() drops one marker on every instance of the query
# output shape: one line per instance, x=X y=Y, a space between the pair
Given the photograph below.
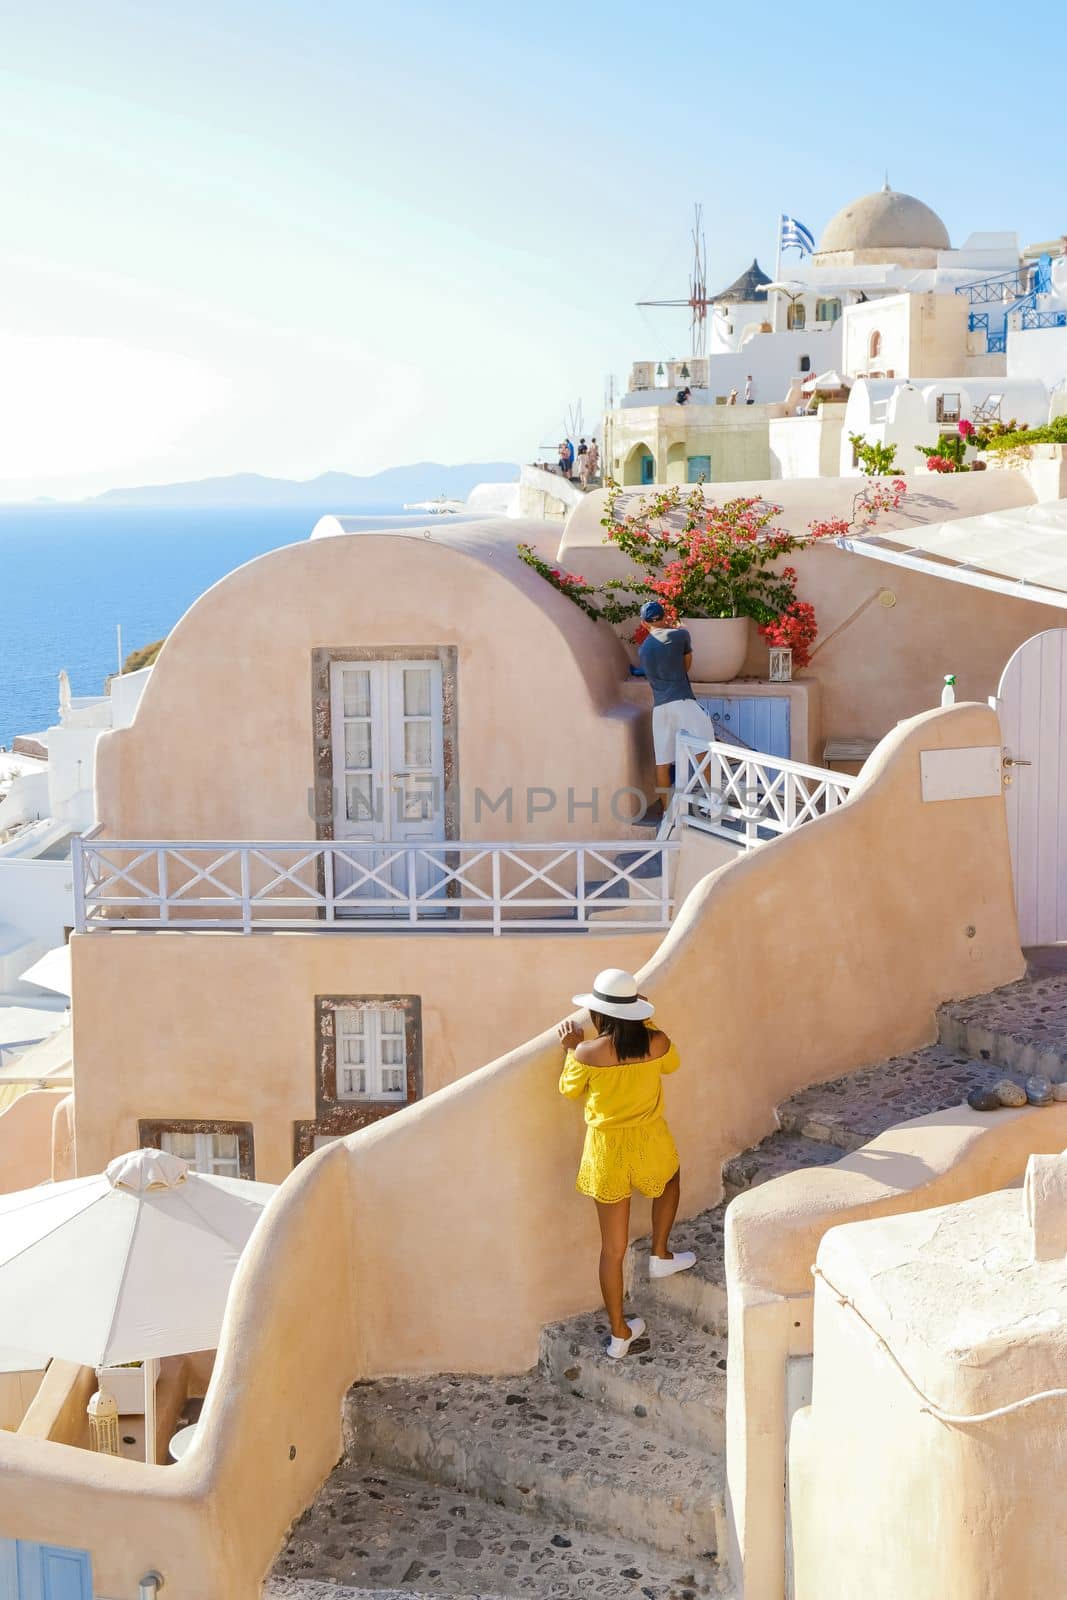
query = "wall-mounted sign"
x=971 y=773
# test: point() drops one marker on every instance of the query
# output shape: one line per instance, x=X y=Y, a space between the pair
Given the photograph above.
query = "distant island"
x=339 y=491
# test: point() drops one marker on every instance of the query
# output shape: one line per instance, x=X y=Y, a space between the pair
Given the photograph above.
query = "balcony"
x=350 y=886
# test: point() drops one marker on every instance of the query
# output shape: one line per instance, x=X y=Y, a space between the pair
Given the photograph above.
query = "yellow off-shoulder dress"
x=628 y=1144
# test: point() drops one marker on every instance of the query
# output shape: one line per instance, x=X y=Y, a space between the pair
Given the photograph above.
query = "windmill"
x=697 y=301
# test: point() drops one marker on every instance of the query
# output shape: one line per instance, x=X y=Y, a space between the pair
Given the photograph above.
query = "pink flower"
x=966 y=428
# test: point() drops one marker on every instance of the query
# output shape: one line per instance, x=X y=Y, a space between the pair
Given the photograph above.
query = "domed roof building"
x=886 y=227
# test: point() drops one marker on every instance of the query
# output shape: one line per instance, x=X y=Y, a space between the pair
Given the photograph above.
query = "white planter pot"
x=720 y=645
x=126 y=1386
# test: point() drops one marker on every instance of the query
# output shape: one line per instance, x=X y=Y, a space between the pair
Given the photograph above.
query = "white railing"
x=746 y=797
x=198 y=884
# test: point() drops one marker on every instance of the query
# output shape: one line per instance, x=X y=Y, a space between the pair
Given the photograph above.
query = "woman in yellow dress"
x=628 y=1144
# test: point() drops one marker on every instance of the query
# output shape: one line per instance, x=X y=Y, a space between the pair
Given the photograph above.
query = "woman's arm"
x=575 y=1075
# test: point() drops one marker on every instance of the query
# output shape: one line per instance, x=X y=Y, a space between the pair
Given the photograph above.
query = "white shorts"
x=677 y=716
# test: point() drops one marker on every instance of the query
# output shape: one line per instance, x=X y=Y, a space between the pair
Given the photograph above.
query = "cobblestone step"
x=700 y=1294
x=851 y=1111
x=1022 y=1026
x=387 y=1534
x=672 y=1382
x=522 y=1443
x=784 y=1151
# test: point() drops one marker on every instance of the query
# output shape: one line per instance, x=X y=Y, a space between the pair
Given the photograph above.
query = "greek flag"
x=795 y=233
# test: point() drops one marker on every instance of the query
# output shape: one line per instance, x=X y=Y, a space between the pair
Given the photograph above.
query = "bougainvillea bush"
x=701 y=559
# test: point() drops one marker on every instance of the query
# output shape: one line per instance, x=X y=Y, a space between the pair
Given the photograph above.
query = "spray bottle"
x=948 y=693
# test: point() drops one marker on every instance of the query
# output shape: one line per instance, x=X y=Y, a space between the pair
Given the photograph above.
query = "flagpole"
x=777 y=274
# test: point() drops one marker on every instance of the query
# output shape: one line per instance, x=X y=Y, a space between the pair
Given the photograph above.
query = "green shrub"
x=144 y=657
x=1054 y=433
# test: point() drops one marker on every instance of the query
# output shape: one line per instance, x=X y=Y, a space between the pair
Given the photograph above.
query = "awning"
x=1021 y=551
x=49 y=1064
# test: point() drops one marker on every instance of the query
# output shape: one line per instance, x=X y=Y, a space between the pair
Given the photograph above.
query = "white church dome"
x=885 y=220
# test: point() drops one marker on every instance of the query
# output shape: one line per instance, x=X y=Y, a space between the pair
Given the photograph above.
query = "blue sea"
x=70 y=574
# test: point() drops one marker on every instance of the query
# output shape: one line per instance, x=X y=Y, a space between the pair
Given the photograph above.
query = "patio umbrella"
x=132 y=1264
x=828 y=380
x=51 y=971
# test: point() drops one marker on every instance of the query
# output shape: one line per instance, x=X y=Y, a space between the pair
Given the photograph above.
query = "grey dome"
x=885 y=220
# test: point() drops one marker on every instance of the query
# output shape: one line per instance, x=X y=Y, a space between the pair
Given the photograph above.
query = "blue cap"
x=652 y=611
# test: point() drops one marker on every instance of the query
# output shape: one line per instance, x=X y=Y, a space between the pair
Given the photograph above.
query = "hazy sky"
x=292 y=237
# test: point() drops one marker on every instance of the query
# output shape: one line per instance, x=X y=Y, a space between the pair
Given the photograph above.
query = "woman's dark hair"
x=630 y=1039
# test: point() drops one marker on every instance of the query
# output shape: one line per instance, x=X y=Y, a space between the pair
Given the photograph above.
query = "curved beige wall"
x=221 y=746
x=820 y=952
x=26 y=1139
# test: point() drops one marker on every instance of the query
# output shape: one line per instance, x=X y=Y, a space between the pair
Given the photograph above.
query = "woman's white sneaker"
x=616 y=1348
x=667 y=1266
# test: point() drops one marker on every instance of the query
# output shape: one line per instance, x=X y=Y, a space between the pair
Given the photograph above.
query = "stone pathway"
x=1023 y=1026
x=590 y=1479
x=399 y=1535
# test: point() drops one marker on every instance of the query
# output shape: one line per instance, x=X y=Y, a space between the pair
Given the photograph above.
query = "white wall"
x=773 y=360
x=1039 y=353
x=37 y=898
x=125 y=692
x=807 y=447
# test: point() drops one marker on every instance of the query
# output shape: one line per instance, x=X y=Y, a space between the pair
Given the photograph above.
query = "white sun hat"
x=614 y=994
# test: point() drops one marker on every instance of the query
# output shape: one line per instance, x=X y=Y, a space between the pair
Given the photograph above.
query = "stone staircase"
x=588 y=1479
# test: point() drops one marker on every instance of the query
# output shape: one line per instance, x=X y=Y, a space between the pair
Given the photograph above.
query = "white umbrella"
x=51 y=971
x=129 y=1265
x=828 y=380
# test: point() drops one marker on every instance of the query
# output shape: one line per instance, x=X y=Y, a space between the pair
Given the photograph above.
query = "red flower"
x=966 y=428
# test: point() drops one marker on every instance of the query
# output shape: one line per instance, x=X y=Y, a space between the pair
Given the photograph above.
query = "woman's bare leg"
x=664 y=1211
x=614 y=1238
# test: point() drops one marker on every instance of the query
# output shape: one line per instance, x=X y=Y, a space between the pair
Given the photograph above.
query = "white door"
x=1032 y=702
x=388 y=772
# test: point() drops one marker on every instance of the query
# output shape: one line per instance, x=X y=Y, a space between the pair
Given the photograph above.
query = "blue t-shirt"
x=662 y=656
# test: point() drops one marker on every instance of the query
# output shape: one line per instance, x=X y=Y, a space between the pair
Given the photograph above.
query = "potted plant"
x=716 y=569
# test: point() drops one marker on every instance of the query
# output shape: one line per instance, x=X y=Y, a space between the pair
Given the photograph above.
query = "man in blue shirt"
x=666 y=656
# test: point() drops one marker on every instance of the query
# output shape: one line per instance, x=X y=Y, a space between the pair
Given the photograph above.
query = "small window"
x=368 y=1064
x=371 y=1053
x=827 y=310
x=948 y=408
x=796 y=317
x=805 y=363
x=220 y=1149
x=874 y=346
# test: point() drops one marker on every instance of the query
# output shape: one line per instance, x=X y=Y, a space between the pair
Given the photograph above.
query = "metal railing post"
x=246 y=890
x=496 y=892
x=328 y=882
x=77 y=861
x=163 y=884
x=413 y=903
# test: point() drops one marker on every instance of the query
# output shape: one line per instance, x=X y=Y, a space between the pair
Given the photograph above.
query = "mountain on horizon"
x=336 y=491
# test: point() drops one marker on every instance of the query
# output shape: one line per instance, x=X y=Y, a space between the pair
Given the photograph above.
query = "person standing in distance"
x=665 y=657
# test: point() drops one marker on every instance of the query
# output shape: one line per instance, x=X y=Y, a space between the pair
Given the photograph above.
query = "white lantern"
x=781 y=665
x=103 y=1414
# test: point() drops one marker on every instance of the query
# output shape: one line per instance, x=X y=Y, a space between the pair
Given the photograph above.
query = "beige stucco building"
x=359 y=847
